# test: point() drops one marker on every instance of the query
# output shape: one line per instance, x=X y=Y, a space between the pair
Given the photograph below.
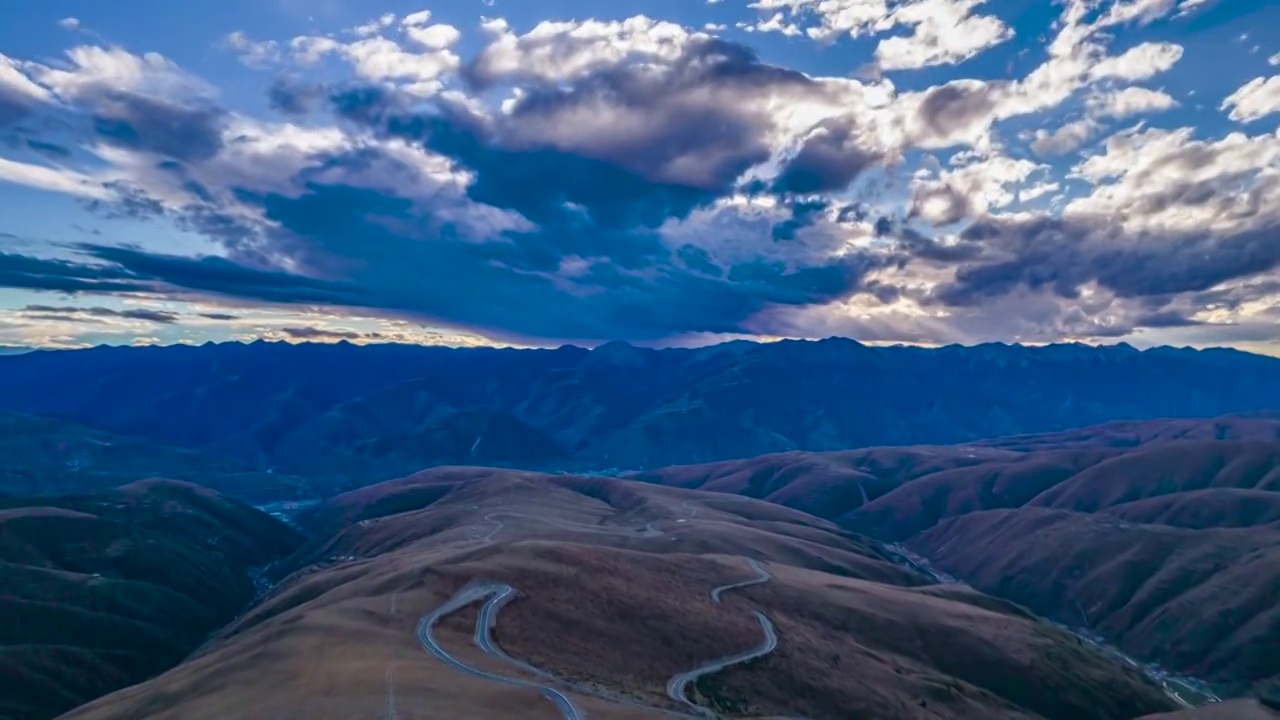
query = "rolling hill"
x=1166 y=544
x=473 y=592
x=102 y=591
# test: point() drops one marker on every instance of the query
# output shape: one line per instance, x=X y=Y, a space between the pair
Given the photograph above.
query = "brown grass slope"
x=1202 y=509
x=1213 y=484
x=1133 y=433
x=1166 y=469
x=441 y=501
x=613 y=581
x=101 y=591
x=827 y=484
x=1200 y=601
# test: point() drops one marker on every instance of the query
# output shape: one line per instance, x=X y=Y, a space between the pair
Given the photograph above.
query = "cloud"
x=1130 y=101
x=1168 y=181
x=584 y=180
x=141 y=123
x=253 y=53
x=1254 y=100
x=72 y=313
x=829 y=158
x=941 y=32
x=1065 y=139
x=1065 y=255
x=310 y=333
x=19 y=94
x=32 y=273
x=555 y=52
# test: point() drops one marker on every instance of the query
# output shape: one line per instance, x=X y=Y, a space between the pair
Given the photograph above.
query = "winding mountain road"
x=498 y=596
x=678 y=685
x=762 y=576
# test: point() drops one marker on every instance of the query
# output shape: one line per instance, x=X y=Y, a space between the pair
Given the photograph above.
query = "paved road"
x=677 y=686
x=501 y=594
x=391 y=693
x=762 y=575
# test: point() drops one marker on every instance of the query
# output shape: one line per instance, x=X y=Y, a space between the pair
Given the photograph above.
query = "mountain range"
x=383 y=411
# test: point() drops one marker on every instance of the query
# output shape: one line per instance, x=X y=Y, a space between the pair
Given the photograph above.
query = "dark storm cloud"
x=71 y=313
x=952 y=107
x=919 y=245
x=295 y=97
x=221 y=276
x=127 y=202
x=32 y=273
x=546 y=185
x=167 y=129
x=48 y=149
x=700 y=126
x=127 y=270
x=219 y=316
x=1165 y=319
x=1062 y=255
x=630 y=144
x=597 y=166
x=830 y=158
x=15 y=106
x=309 y=333
x=803 y=214
x=510 y=286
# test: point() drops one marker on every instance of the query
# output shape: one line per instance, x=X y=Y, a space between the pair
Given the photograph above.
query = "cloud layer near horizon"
x=648 y=180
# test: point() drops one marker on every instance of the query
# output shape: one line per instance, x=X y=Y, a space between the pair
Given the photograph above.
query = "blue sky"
x=919 y=171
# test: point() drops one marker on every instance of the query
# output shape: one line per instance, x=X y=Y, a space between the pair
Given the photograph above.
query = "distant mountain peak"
x=618 y=351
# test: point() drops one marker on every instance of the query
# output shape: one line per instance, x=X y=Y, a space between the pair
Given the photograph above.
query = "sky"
x=670 y=172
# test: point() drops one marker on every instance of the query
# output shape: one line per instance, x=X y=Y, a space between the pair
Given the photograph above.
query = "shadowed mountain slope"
x=103 y=591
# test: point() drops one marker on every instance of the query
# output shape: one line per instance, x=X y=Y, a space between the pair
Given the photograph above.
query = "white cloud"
x=375 y=26
x=1139 y=63
x=942 y=32
x=1255 y=99
x=97 y=70
x=69 y=23
x=1065 y=139
x=416 y=19
x=1274 y=59
x=1168 y=181
x=57 y=180
x=253 y=53
x=1130 y=101
x=381 y=59
x=1136 y=11
x=563 y=51
x=15 y=81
